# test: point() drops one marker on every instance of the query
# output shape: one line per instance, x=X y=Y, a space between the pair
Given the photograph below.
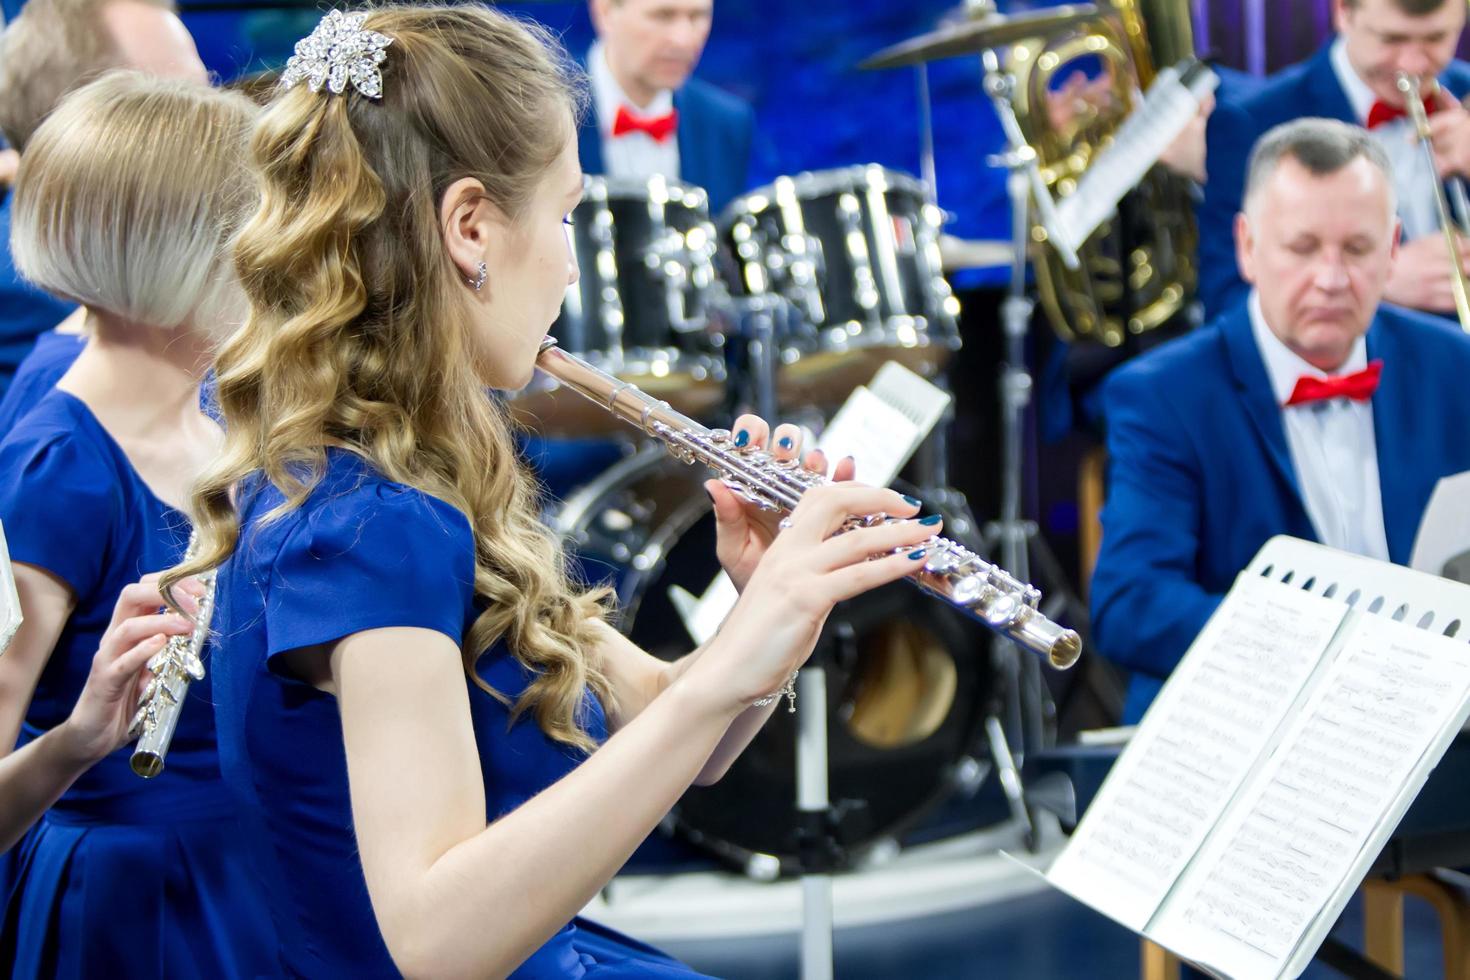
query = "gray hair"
x=1322 y=146
x=127 y=198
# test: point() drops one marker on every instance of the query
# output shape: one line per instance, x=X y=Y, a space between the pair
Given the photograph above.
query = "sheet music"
x=1442 y=545
x=1315 y=812
x=10 y=611
x=1163 y=114
x=1200 y=740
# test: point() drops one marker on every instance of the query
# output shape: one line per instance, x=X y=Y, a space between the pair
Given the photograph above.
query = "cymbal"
x=964 y=253
x=990 y=30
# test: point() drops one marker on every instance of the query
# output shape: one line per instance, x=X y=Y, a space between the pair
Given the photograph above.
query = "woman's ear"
x=471 y=225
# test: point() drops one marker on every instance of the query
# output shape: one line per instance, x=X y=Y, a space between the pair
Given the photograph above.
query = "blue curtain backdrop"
x=796 y=63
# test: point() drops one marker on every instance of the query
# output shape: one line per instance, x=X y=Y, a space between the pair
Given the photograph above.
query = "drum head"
x=855 y=252
x=908 y=677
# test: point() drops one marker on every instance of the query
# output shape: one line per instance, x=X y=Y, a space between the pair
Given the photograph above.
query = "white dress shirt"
x=1413 y=178
x=632 y=154
x=1332 y=447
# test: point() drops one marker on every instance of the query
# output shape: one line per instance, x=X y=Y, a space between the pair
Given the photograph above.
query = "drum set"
x=796 y=294
x=842 y=267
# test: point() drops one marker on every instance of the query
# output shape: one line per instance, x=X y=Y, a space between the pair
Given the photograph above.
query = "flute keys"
x=140 y=722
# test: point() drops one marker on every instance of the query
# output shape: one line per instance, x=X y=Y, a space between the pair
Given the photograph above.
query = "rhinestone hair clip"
x=337 y=52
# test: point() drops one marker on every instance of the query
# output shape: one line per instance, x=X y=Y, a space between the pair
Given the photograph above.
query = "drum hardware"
x=960 y=253
x=982 y=28
x=855 y=253
x=1030 y=713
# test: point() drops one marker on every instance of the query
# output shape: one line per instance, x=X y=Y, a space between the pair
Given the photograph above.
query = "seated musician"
x=1353 y=79
x=648 y=116
x=1308 y=409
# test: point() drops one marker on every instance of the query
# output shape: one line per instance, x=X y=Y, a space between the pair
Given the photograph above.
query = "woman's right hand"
x=807 y=570
x=99 y=722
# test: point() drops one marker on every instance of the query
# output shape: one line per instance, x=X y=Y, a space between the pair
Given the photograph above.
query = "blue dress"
x=51 y=358
x=122 y=877
x=363 y=553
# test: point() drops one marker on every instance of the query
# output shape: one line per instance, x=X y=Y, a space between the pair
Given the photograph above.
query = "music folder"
x=10 y=612
x=1277 y=760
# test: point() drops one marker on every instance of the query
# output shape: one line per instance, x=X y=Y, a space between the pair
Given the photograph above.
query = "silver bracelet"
x=788 y=691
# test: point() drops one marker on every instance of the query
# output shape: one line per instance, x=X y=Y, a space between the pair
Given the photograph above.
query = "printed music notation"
x=1271 y=770
x=1275 y=861
x=1198 y=744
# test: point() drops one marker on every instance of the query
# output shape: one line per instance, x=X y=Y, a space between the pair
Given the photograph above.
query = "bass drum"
x=909 y=679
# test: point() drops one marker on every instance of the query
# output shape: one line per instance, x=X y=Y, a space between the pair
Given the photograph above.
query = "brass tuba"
x=1137 y=270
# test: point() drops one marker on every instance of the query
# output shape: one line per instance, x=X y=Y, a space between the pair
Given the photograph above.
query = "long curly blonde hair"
x=359 y=332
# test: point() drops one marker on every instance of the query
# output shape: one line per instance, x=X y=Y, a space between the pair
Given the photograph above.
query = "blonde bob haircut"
x=127 y=198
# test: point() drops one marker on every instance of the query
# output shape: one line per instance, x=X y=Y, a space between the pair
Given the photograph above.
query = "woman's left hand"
x=98 y=724
x=744 y=530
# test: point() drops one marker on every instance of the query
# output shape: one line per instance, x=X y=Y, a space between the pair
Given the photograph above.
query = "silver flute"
x=950 y=571
x=174 y=668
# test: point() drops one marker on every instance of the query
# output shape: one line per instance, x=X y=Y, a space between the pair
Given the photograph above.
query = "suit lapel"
x=1327 y=95
x=1393 y=434
x=1256 y=394
x=693 y=168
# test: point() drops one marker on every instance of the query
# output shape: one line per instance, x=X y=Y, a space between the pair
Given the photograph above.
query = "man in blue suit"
x=648 y=115
x=1353 y=79
x=1308 y=409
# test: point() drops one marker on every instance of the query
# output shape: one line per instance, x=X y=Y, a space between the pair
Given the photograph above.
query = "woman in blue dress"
x=443 y=750
x=125 y=202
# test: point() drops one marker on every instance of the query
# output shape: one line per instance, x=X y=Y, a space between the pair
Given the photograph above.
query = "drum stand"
x=1029 y=712
x=817 y=849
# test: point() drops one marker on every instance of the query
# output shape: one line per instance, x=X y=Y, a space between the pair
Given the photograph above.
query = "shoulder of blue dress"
x=352 y=490
x=60 y=422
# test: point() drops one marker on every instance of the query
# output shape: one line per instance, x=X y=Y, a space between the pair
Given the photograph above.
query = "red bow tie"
x=1382 y=112
x=1359 y=387
x=658 y=127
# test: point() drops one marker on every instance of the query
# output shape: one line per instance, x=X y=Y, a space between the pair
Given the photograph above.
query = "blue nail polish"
x=931 y=520
x=912 y=501
x=916 y=555
x=785 y=442
x=742 y=439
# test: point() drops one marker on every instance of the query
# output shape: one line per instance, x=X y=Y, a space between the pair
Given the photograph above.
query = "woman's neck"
x=137 y=377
